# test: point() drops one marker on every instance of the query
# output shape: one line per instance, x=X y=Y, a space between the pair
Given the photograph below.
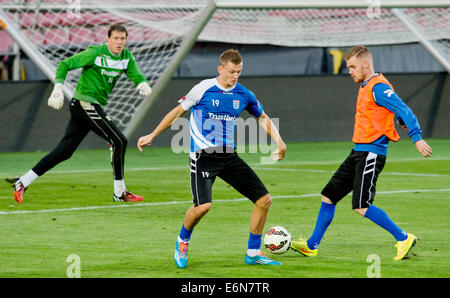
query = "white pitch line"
x=327 y=171
x=103 y=170
x=415 y=174
x=254 y=166
x=190 y=202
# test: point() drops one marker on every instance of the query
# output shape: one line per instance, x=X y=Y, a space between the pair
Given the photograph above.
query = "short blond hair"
x=232 y=56
x=358 y=52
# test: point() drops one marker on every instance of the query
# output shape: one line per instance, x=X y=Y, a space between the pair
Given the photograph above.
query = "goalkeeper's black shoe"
x=19 y=189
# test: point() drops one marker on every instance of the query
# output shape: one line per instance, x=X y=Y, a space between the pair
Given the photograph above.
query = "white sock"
x=28 y=178
x=181 y=240
x=119 y=187
x=253 y=252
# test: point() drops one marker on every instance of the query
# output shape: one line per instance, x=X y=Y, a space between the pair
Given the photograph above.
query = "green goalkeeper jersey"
x=101 y=70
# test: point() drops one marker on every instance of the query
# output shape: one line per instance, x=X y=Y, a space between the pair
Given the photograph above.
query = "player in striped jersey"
x=215 y=104
x=376 y=107
x=102 y=67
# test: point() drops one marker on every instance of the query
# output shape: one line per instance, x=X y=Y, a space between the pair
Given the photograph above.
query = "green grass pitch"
x=70 y=211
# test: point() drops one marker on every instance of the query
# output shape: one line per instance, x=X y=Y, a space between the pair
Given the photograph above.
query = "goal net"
x=161 y=32
x=157 y=32
x=312 y=23
x=325 y=27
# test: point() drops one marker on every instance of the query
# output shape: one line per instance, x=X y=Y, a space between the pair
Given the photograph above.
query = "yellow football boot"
x=301 y=246
x=404 y=247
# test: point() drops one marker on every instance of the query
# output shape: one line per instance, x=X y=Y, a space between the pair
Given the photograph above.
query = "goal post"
x=184 y=48
x=432 y=46
x=161 y=33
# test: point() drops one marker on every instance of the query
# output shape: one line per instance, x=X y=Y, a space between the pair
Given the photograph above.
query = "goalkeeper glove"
x=144 y=89
x=56 y=99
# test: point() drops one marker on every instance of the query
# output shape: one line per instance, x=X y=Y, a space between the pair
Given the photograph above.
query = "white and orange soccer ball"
x=277 y=240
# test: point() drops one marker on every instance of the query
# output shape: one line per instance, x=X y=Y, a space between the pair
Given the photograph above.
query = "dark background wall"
x=270 y=60
x=310 y=108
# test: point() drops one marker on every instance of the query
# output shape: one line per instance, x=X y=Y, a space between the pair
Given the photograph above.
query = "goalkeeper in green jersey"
x=102 y=66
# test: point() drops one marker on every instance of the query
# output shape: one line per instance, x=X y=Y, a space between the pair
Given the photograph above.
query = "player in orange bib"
x=376 y=107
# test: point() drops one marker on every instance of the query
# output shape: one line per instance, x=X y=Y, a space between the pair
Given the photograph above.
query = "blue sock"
x=380 y=217
x=254 y=241
x=325 y=217
x=185 y=234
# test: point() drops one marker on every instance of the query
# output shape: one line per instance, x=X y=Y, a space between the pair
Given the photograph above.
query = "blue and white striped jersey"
x=214 y=110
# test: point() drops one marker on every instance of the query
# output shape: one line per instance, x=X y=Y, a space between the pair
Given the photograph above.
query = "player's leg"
x=75 y=133
x=310 y=246
x=260 y=214
x=242 y=178
x=203 y=172
x=193 y=216
x=339 y=186
x=100 y=123
x=368 y=168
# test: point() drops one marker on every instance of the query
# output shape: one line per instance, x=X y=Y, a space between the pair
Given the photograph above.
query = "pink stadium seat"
x=70 y=20
x=56 y=36
x=154 y=35
x=49 y=19
x=81 y=35
x=94 y=19
x=135 y=34
x=90 y=19
x=161 y=16
x=100 y=34
x=5 y=41
x=38 y=38
x=26 y=19
x=42 y=20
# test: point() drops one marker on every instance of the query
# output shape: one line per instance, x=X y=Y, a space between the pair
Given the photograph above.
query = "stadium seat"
x=135 y=34
x=43 y=20
x=26 y=20
x=49 y=19
x=72 y=19
x=6 y=42
x=81 y=35
x=38 y=38
x=56 y=36
x=100 y=34
x=155 y=35
x=95 y=19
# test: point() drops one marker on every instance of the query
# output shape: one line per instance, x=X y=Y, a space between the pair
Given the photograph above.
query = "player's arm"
x=82 y=59
x=135 y=75
x=386 y=97
x=186 y=103
x=165 y=123
x=266 y=123
x=255 y=108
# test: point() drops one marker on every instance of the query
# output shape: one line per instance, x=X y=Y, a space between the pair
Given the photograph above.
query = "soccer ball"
x=277 y=240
